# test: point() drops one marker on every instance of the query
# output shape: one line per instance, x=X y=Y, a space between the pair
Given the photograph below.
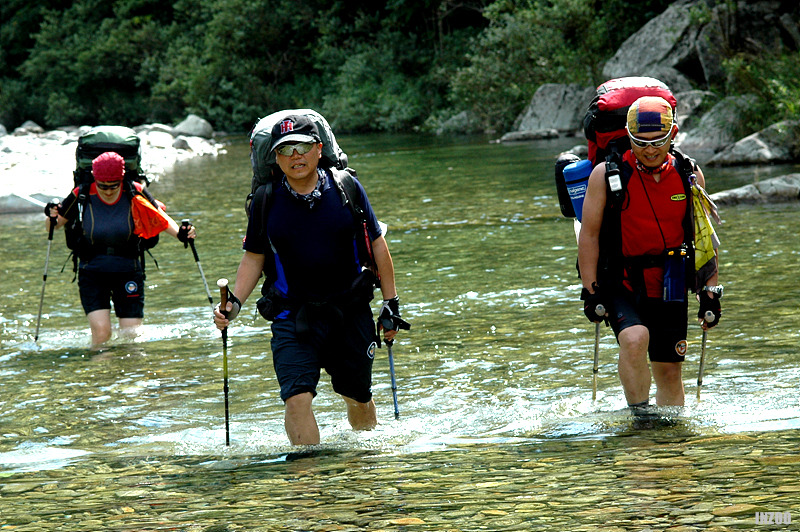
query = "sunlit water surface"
x=498 y=430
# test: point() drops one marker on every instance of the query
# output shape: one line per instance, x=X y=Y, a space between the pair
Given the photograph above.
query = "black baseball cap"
x=294 y=128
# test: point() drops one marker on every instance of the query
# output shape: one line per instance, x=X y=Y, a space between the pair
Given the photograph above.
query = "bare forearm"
x=383 y=260
x=248 y=275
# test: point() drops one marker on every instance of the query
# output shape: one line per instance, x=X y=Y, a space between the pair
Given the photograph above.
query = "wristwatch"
x=716 y=290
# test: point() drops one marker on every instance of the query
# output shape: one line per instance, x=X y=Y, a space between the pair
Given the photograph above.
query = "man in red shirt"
x=648 y=235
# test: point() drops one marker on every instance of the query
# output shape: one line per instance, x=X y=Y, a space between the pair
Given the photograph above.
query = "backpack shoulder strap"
x=345 y=183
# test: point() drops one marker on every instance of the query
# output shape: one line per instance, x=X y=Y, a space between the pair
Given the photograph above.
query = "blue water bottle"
x=576 y=176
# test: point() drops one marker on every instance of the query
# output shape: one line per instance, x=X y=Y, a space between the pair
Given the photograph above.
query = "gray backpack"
x=265 y=169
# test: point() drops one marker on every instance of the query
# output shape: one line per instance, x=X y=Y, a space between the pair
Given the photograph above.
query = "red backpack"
x=604 y=128
x=604 y=122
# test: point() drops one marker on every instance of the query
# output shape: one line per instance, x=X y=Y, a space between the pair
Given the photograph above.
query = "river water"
x=498 y=430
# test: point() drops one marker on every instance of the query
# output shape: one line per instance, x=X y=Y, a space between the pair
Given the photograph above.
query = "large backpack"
x=604 y=129
x=101 y=139
x=262 y=159
x=267 y=174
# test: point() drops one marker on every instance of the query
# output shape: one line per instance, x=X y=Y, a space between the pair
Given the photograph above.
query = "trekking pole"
x=223 y=295
x=600 y=310
x=709 y=317
x=185 y=223
x=394 y=382
x=53 y=222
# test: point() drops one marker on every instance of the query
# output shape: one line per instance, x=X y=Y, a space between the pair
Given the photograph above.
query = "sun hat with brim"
x=108 y=166
x=294 y=128
x=649 y=114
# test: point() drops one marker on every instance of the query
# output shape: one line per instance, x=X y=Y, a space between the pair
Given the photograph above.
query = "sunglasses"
x=655 y=143
x=110 y=186
x=288 y=149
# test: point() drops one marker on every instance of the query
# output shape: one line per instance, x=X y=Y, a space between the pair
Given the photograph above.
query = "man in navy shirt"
x=308 y=244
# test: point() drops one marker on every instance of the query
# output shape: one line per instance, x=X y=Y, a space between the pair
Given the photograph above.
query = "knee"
x=634 y=340
x=299 y=402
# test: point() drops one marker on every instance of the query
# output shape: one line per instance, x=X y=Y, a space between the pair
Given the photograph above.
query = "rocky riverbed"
x=37 y=165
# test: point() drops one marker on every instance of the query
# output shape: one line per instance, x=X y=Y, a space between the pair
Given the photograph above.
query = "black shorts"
x=126 y=290
x=666 y=321
x=344 y=348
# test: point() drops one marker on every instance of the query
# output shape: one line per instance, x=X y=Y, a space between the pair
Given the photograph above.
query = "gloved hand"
x=591 y=303
x=49 y=207
x=389 y=317
x=236 y=306
x=183 y=232
x=709 y=304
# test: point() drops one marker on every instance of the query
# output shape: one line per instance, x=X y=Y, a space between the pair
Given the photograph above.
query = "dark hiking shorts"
x=666 y=321
x=99 y=289
x=344 y=348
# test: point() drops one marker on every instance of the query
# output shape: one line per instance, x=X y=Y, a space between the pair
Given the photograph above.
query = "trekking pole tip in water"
x=600 y=310
x=223 y=294
x=394 y=380
x=53 y=222
x=709 y=318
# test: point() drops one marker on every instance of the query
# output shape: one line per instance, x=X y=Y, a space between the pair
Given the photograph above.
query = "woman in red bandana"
x=648 y=234
x=116 y=217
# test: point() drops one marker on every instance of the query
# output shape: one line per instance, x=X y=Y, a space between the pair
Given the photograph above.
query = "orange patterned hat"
x=648 y=114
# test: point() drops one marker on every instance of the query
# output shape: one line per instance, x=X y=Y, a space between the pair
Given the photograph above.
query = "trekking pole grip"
x=223 y=295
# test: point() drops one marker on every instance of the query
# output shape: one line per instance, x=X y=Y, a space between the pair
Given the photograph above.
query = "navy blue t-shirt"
x=315 y=251
x=105 y=226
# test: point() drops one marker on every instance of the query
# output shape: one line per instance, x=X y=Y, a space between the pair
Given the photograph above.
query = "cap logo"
x=287 y=126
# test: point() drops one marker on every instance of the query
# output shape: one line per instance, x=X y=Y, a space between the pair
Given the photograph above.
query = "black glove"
x=50 y=205
x=236 y=306
x=389 y=318
x=708 y=304
x=591 y=303
x=183 y=232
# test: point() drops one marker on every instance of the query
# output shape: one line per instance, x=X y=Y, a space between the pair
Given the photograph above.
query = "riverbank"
x=36 y=166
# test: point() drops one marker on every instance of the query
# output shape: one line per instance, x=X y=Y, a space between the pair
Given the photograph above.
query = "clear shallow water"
x=497 y=431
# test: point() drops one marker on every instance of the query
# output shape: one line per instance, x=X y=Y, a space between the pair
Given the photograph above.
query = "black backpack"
x=101 y=139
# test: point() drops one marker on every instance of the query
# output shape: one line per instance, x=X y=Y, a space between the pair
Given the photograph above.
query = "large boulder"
x=779 y=143
x=716 y=129
x=777 y=189
x=556 y=106
x=687 y=44
x=659 y=49
x=194 y=126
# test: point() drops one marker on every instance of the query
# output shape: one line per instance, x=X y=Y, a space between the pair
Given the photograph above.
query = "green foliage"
x=397 y=65
x=529 y=43
x=773 y=79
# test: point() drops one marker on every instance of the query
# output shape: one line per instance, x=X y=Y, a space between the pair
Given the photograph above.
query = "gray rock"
x=658 y=48
x=181 y=143
x=776 y=144
x=556 y=106
x=716 y=129
x=3 y=130
x=27 y=128
x=194 y=126
x=690 y=107
x=777 y=189
x=161 y=128
x=461 y=123
x=539 y=134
